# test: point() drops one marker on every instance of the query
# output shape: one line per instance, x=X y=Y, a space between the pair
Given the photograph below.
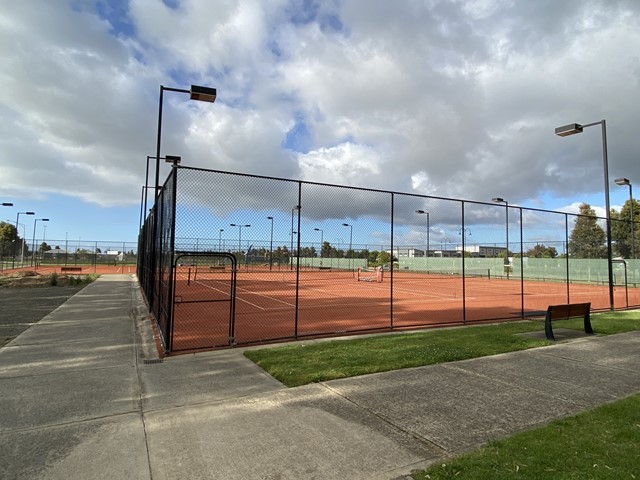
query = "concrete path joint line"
x=438 y=449
x=595 y=364
x=509 y=384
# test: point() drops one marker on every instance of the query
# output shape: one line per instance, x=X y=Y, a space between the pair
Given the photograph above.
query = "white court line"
x=247 y=292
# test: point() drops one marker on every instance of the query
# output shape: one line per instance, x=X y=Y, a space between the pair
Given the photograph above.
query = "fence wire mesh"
x=302 y=259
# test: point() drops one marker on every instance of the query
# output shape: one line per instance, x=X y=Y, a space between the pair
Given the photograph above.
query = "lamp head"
x=570 y=129
x=420 y=211
x=175 y=159
x=622 y=181
x=202 y=94
x=7 y=204
x=498 y=200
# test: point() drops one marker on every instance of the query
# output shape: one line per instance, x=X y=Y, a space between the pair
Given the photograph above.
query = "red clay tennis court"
x=334 y=302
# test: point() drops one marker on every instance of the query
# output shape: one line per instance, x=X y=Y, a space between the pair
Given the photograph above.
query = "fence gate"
x=204 y=297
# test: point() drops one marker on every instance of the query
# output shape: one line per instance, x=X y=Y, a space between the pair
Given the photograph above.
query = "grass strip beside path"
x=302 y=363
x=601 y=443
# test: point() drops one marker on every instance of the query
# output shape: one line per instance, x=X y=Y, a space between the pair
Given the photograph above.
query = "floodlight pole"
x=572 y=129
x=350 y=243
x=13 y=264
x=33 y=254
x=297 y=207
x=206 y=94
x=239 y=235
x=220 y=239
x=271 y=245
x=625 y=181
x=321 y=241
x=506 y=257
x=422 y=212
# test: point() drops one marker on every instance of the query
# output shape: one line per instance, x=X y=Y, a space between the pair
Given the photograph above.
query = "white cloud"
x=441 y=98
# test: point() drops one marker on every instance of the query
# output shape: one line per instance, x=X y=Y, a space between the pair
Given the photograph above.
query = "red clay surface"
x=84 y=269
x=334 y=302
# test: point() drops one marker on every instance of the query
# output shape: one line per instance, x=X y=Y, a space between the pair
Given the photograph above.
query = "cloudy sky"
x=453 y=98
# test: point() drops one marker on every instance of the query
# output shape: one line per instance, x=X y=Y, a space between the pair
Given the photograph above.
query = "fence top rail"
x=376 y=190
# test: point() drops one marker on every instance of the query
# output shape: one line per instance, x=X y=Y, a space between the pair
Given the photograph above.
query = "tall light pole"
x=239 y=235
x=350 y=242
x=196 y=92
x=220 y=239
x=422 y=212
x=33 y=253
x=625 y=181
x=464 y=232
x=321 y=241
x=293 y=210
x=506 y=256
x=271 y=245
x=23 y=233
x=572 y=129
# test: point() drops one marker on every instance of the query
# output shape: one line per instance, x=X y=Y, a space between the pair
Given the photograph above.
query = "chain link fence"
x=308 y=259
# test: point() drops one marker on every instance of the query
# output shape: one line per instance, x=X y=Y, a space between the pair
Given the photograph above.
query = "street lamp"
x=350 y=242
x=202 y=94
x=422 y=212
x=24 y=233
x=7 y=204
x=271 y=245
x=572 y=129
x=239 y=235
x=220 y=239
x=625 y=181
x=33 y=253
x=321 y=241
x=506 y=256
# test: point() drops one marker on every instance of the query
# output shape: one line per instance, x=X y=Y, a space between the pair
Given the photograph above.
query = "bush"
x=53 y=279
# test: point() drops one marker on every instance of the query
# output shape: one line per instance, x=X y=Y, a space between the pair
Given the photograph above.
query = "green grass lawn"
x=302 y=363
x=603 y=443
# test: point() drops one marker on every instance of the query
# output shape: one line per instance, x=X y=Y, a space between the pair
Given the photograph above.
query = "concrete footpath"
x=82 y=398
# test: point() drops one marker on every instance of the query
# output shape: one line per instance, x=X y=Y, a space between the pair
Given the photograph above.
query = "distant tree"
x=621 y=229
x=541 y=251
x=383 y=258
x=587 y=238
x=9 y=238
x=44 y=247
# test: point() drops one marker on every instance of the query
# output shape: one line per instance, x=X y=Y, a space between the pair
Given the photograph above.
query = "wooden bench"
x=70 y=269
x=564 y=312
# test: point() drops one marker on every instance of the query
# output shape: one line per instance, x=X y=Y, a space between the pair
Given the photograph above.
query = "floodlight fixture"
x=202 y=94
x=622 y=181
x=7 y=204
x=570 y=129
x=175 y=159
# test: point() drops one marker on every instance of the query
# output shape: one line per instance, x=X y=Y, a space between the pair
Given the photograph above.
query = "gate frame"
x=232 y=294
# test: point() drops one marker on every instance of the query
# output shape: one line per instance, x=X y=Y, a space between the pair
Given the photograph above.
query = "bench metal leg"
x=548 y=331
x=587 y=324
